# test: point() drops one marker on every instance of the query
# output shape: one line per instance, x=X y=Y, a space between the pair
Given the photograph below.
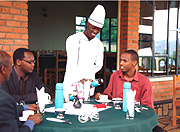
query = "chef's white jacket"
x=84 y=58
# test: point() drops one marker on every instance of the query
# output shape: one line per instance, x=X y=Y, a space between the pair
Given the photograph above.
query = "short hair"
x=19 y=54
x=5 y=59
x=134 y=55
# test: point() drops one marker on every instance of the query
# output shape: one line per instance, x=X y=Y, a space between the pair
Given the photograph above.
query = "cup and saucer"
x=117 y=103
x=26 y=114
x=103 y=99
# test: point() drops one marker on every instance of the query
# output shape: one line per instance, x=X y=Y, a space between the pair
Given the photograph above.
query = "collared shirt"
x=140 y=83
x=84 y=58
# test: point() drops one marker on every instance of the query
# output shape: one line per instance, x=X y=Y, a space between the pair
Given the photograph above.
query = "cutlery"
x=57 y=120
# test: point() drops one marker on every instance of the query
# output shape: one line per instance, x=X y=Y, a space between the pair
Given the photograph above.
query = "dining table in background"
x=111 y=120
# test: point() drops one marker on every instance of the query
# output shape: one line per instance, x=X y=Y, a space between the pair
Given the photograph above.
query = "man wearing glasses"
x=23 y=80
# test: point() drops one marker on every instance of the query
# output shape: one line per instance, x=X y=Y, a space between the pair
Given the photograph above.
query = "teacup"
x=103 y=97
x=47 y=98
x=117 y=103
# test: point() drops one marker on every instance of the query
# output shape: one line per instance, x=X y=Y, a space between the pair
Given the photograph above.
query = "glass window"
x=105 y=34
x=80 y=24
x=158 y=37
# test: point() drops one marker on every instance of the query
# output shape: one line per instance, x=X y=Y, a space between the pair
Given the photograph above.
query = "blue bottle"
x=126 y=87
x=59 y=97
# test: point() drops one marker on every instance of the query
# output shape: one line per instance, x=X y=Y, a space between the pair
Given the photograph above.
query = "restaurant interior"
x=50 y=23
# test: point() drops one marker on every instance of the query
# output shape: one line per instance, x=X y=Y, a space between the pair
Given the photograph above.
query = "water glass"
x=86 y=91
x=130 y=114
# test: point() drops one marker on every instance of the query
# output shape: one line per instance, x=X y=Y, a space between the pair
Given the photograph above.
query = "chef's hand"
x=84 y=80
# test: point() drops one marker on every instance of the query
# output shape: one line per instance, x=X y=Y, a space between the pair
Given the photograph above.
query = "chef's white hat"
x=97 y=17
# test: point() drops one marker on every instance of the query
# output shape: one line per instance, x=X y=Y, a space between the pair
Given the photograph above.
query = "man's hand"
x=97 y=95
x=37 y=118
x=33 y=107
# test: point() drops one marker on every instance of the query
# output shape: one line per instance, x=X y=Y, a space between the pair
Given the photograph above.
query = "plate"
x=22 y=119
x=104 y=101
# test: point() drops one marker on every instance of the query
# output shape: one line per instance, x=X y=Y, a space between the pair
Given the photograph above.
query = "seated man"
x=139 y=82
x=128 y=73
x=9 y=111
x=23 y=80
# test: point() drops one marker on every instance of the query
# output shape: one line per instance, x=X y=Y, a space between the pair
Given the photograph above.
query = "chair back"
x=109 y=64
x=143 y=70
x=176 y=88
x=172 y=69
x=61 y=56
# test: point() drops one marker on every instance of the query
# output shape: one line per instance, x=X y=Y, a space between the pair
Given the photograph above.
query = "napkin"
x=70 y=110
x=130 y=101
x=40 y=98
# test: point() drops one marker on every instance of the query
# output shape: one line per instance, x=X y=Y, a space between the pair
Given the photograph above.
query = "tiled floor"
x=166 y=124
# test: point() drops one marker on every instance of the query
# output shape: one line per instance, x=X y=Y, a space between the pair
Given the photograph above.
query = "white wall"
x=50 y=33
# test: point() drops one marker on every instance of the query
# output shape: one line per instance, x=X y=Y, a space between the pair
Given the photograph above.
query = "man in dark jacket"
x=23 y=80
x=9 y=110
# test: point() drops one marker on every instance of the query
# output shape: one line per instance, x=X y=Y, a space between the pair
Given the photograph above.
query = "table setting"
x=102 y=116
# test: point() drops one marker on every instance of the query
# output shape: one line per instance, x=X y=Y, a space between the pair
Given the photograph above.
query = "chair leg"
x=45 y=76
x=174 y=114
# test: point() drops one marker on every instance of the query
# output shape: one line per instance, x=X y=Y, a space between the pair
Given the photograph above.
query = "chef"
x=85 y=51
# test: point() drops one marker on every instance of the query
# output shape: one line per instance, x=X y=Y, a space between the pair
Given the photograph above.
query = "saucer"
x=116 y=99
x=50 y=102
x=104 y=101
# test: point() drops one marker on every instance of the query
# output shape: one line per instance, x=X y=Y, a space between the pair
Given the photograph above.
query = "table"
x=111 y=120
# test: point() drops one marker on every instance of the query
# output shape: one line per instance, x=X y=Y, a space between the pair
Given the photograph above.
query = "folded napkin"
x=40 y=98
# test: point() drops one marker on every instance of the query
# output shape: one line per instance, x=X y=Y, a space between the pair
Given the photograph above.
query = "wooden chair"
x=175 y=101
x=107 y=69
x=143 y=70
x=172 y=70
x=58 y=72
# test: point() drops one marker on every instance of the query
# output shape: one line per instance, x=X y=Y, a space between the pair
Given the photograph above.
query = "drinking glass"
x=130 y=114
x=60 y=113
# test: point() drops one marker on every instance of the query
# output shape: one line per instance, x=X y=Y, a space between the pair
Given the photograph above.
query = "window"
x=158 y=37
x=80 y=24
x=108 y=34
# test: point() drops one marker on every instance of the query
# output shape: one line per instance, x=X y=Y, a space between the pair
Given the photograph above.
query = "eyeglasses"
x=30 y=62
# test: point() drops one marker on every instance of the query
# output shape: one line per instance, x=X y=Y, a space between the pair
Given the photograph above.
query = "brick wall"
x=163 y=90
x=130 y=13
x=13 y=25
